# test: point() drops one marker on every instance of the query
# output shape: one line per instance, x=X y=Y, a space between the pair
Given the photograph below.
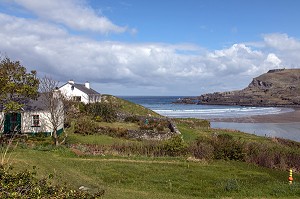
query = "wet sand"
x=289 y=117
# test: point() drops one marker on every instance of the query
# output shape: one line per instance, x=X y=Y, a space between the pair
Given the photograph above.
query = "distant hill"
x=278 y=87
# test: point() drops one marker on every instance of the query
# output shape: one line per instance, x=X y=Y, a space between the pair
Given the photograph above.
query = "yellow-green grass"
x=97 y=138
x=131 y=108
x=125 y=125
x=159 y=178
x=167 y=177
x=94 y=139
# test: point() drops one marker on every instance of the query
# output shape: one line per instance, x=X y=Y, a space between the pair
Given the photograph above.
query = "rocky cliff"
x=279 y=87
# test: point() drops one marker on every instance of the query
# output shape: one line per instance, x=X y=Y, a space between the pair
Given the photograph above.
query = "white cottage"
x=80 y=92
x=34 y=118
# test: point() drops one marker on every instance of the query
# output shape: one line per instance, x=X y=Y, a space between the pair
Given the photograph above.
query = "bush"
x=222 y=146
x=105 y=110
x=175 y=146
x=172 y=147
x=146 y=127
x=98 y=118
x=133 y=119
x=202 y=150
x=146 y=148
x=81 y=107
x=273 y=156
x=85 y=126
x=154 y=124
x=283 y=154
x=113 y=132
x=25 y=185
x=227 y=148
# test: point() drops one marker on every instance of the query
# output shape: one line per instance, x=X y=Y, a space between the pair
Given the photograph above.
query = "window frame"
x=36 y=121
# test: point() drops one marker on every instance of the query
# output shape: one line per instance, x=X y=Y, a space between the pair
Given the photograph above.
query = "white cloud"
x=273 y=59
x=141 y=67
x=281 y=42
x=74 y=14
x=286 y=49
x=238 y=59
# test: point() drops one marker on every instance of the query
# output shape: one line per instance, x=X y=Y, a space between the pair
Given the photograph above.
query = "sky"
x=152 y=48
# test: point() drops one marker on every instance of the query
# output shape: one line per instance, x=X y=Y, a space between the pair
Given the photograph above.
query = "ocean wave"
x=164 y=106
x=220 y=112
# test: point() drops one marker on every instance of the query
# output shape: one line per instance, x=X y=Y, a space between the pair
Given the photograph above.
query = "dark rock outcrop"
x=278 y=87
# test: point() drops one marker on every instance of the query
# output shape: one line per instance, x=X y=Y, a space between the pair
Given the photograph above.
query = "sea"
x=164 y=105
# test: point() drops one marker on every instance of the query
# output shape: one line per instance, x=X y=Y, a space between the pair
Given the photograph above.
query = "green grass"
x=94 y=139
x=97 y=138
x=159 y=177
x=193 y=128
x=152 y=178
x=131 y=108
x=125 y=125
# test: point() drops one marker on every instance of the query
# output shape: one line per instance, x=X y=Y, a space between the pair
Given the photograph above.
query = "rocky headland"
x=278 y=87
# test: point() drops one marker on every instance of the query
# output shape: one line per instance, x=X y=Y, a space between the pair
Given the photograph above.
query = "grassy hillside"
x=129 y=107
x=138 y=176
x=205 y=163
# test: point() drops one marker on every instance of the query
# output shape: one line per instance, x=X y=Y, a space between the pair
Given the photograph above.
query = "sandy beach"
x=289 y=117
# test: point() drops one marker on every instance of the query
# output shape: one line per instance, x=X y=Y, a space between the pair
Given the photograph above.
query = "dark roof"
x=84 y=89
x=37 y=104
x=32 y=104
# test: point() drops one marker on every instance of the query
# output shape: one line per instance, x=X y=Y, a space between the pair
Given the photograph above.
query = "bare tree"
x=53 y=101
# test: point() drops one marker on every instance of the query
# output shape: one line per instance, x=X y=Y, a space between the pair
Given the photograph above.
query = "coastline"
x=289 y=117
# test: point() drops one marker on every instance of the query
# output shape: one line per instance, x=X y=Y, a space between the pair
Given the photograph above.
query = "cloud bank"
x=122 y=68
x=74 y=14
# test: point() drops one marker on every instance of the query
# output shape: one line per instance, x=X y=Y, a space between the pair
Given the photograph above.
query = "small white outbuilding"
x=34 y=118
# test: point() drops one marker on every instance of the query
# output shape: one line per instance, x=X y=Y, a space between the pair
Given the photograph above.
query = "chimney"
x=87 y=85
x=71 y=81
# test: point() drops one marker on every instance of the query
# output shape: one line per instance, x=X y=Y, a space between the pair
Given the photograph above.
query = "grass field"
x=133 y=176
x=148 y=177
x=142 y=177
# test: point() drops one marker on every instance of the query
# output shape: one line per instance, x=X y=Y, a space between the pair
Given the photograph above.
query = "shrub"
x=202 y=150
x=175 y=146
x=113 y=132
x=282 y=155
x=25 y=185
x=145 y=148
x=155 y=124
x=85 y=126
x=81 y=107
x=222 y=146
x=227 y=148
x=231 y=185
x=98 y=118
x=160 y=127
x=133 y=119
x=146 y=127
x=105 y=110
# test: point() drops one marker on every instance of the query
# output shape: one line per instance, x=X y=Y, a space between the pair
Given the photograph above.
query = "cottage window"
x=77 y=98
x=35 y=120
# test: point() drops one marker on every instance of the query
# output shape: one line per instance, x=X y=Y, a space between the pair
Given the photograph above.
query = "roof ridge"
x=85 y=89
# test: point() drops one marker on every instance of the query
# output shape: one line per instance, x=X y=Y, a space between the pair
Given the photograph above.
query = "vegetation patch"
x=25 y=185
